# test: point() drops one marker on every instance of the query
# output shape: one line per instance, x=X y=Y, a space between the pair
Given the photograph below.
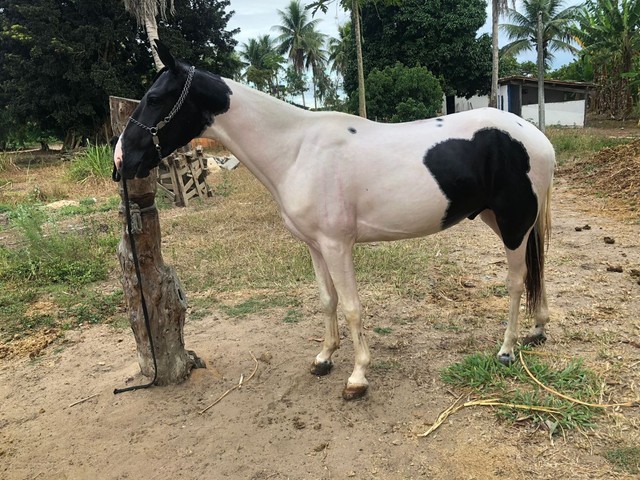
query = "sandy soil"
x=285 y=423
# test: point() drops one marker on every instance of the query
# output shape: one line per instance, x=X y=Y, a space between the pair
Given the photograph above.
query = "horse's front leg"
x=338 y=257
x=329 y=302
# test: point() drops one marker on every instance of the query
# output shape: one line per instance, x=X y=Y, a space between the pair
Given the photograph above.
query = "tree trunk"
x=165 y=299
x=541 y=120
x=495 y=53
x=362 y=101
x=152 y=34
x=315 y=94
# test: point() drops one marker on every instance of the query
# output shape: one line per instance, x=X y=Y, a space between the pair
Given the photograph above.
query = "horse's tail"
x=538 y=239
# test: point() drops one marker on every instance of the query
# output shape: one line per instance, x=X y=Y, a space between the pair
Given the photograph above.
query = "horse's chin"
x=143 y=172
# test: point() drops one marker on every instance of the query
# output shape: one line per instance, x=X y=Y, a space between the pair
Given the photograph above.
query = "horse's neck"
x=262 y=132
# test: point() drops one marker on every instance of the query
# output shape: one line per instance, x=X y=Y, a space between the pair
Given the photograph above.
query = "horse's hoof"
x=353 y=392
x=505 y=359
x=534 y=340
x=321 y=369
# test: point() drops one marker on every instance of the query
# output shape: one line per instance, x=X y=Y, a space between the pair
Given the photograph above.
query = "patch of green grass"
x=489 y=378
x=88 y=206
x=382 y=330
x=257 y=304
x=20 y=313
x=293 y=316
x=385 y=365
x=96 y=161
x=89 y=307
x=625 y=458
x=497 y=291
x=403 y=265
x=225 y=187
x=47 y=256
x=572 y=143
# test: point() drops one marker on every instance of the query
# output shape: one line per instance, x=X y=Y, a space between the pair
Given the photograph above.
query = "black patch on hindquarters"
x=352 y=130
x=487 y=172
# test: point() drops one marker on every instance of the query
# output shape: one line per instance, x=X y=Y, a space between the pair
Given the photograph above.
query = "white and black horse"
x=340 y=179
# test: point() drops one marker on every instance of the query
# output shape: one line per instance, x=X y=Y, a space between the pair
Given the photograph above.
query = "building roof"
x=533 y=81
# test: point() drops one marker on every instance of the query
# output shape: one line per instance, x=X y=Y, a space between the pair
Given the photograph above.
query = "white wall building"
x=565 y=102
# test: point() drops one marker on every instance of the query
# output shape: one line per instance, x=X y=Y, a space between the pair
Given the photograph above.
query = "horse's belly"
x=401 y=216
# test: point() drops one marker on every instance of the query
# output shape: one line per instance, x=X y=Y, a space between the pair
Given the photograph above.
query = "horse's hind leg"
x=515 y=287
x=329 y=302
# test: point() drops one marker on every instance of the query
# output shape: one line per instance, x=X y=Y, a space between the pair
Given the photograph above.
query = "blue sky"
x=256 y=17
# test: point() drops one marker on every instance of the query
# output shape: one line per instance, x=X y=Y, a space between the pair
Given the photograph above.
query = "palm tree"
x=315 y=60
x=338 y=48
x=608 y=32
x=145 y=12
x=294 y=31
x=262 y=62
x=556 y=28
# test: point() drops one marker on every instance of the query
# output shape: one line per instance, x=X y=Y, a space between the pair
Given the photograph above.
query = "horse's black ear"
x=165 y=55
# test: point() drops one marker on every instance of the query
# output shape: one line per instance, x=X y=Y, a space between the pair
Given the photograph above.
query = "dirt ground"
x=285 y=423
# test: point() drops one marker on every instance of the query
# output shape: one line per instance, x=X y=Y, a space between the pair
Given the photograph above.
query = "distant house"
x=565 y=102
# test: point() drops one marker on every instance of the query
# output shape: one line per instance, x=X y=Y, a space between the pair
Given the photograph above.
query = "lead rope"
x=136 y=264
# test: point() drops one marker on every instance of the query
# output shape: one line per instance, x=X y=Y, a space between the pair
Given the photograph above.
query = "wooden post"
x=166 y=302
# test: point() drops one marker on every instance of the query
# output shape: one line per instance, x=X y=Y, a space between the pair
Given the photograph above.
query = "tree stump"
x=165 y=298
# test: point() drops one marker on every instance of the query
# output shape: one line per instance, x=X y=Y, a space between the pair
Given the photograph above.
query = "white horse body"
x=340 y=179
x=308 y=160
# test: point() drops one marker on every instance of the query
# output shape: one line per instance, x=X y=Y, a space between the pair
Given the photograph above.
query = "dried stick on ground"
x=235 y=387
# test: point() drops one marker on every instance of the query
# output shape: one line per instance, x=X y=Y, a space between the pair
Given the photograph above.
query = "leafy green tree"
x=580 y=70
x=440 y=36
x=609 y=31
x=401 y=94
x=557 y=25
x=509 y=66
x=295 y=82
x=198 y=32
x=60 y=61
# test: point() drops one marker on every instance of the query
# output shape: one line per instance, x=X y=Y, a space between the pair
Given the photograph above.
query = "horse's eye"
x=152 y=100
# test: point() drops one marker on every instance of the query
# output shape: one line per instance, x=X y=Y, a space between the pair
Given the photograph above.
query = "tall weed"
x=95 y=162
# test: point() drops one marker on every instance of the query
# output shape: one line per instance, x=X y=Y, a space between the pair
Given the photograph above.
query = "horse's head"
x=180 y=104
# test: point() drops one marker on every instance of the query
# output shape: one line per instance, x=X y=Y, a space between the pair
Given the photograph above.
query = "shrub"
x=402 y=94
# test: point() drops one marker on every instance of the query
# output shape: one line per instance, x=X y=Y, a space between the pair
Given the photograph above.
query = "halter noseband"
x=162 y=123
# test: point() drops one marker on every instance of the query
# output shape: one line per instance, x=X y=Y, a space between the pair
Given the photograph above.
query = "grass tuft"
x=482 y=373
x=258 y=304
x=625 y=458
x=95 y=162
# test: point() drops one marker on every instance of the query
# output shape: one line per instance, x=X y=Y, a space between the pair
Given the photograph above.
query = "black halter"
x=162 y=123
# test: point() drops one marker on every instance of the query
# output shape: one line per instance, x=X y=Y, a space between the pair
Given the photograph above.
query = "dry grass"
x=612 y=172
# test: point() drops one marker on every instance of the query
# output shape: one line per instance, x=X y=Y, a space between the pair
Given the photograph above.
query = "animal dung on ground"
x=609 y=240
